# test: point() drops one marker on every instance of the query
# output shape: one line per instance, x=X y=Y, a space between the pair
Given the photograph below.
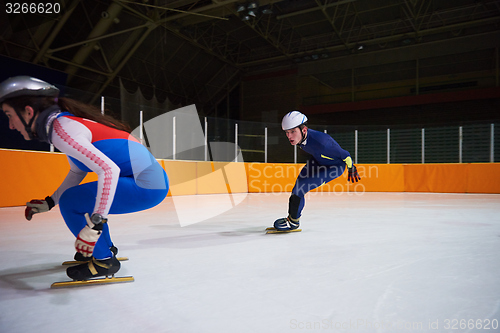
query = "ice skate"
x=284 y=225
x=94 y=268
x=80 y=258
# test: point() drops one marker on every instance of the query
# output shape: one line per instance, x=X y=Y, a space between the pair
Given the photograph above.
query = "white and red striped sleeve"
x=75 y=139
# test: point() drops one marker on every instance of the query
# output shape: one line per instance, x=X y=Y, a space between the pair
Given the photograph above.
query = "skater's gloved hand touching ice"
x=88 y=236
x=36 y=206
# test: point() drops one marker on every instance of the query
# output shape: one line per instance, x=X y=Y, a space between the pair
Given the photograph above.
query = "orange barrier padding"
x=29 y=175
x=234 y=175
x=374 y=178
x=415 y=178
x=483 y=178
x=271 y=178
x=210 y=180
x=221 y=177
x=441 y=178
x=265 y=178
x=181 y=176
x=90 y=177
x=382 y=177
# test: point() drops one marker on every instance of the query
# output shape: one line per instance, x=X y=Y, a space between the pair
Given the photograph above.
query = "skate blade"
x=272 y=230
x=106 y=280
x=74 y=262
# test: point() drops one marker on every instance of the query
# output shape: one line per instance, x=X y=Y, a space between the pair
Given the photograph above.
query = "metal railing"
x=467 y=143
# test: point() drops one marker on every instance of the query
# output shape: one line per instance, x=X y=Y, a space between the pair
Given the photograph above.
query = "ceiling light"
x=252 y=5
x=240 y=8
x=252 y=13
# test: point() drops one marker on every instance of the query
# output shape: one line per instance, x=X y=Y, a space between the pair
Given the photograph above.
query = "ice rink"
x=366 y=262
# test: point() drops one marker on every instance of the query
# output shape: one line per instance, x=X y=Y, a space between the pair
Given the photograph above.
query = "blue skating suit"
x=326 y=163
x=129 y=177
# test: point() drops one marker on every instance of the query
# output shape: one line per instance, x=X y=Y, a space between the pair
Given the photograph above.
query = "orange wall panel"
x=378 y=178
x=415 y=178
x=234 y=176
x=447 y=178
x=441 y=178
x=27 y=175
x=271 y=178
x=483 y=178
x=217 y=178
x=263 y=178
x=30 y=175
x=90 y=177
x=181 y=176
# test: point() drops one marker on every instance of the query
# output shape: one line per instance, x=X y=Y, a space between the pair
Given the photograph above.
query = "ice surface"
x=366 y=262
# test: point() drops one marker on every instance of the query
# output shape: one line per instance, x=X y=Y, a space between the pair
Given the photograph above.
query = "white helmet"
x=26 y=86
x=292 y=120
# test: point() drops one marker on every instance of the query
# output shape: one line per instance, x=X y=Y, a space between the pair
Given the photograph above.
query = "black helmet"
x=26 y=86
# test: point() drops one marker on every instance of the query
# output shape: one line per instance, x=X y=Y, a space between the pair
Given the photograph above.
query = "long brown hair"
x=75 y=107
x=91 y=112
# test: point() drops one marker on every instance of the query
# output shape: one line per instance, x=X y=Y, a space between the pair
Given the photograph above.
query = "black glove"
x=353 y=175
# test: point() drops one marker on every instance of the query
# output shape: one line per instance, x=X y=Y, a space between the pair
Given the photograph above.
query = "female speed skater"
x=129 y=177
x=328 y=161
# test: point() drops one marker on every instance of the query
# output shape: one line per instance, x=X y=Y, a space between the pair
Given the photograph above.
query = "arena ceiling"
x=197 y=51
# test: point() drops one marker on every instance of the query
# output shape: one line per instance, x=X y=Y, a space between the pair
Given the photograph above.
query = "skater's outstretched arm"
x=73 y=178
